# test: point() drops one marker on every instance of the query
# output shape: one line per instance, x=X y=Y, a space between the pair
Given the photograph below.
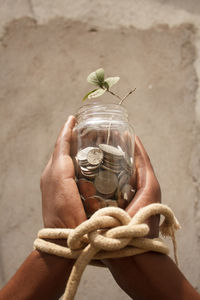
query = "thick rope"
x=109 y=233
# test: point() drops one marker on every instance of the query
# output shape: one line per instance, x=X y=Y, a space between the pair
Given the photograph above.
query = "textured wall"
x=45 y=56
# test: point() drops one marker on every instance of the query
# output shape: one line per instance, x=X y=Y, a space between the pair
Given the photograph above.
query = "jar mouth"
x=102 y=109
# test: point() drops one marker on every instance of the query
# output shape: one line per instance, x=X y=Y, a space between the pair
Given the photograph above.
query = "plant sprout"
x=103 y=85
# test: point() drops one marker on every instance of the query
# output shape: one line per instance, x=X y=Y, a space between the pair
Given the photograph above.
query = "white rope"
x=109 y=233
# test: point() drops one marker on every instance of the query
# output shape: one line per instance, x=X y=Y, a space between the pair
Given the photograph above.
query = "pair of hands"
x=61 y=203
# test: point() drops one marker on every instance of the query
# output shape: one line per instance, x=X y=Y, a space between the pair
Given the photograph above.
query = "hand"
x=147 y=186
x=150 y=275
x=61 y=202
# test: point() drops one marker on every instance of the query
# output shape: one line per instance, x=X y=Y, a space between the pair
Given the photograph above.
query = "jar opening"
x=102 y=111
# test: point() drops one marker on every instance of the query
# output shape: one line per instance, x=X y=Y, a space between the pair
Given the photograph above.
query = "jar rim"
x=104 y=107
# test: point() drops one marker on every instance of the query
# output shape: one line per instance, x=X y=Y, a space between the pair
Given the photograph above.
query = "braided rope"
x=109 y=233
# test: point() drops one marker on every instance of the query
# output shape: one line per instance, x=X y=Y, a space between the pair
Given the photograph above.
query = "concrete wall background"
x=47 y=50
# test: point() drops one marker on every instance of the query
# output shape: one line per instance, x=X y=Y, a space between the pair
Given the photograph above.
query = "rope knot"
x=108 y=229
x=109 y=233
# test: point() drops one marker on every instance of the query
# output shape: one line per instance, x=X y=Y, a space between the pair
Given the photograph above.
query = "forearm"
x=151 y=276
x=41 y=276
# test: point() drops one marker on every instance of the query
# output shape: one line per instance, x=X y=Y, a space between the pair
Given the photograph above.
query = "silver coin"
x=106 y=182
x=95 y=156
x=89 y=167
x=89 y=176
x=88 y=172
x=111 y=150
x=83 y=163
x=84 y=169
x=110 y=169
x=82 y=154
x=112 y=161
x=123 y=179
x=114 y=166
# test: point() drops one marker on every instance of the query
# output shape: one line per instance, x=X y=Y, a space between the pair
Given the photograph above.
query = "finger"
x=143 y=165
x=141 y=161
x=63 y=142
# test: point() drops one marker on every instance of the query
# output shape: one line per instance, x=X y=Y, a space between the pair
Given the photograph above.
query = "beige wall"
x=46 y=52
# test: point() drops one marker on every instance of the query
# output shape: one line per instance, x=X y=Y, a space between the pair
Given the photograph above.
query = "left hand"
x=147 y=188
x=61 y=203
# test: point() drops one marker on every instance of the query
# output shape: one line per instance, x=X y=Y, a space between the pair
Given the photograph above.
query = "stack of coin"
x=112 y=158
x=90 y=159
x=106 y=183
x=103 y=177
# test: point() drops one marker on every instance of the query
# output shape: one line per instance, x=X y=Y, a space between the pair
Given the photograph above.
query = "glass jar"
x=103 y=156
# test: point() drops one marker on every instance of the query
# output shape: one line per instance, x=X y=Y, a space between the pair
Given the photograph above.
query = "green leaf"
x=100 y=75
x=92 y=78
x=96 y=77
x=112 y=80
x=105 y=85
x=97 y=93
x=86 y=96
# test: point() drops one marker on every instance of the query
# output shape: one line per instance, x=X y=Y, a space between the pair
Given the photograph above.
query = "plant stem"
x=120 y=102
x=129 y=93
x=114 y=94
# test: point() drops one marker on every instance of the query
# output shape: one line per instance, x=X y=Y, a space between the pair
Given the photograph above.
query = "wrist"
x=41 y=276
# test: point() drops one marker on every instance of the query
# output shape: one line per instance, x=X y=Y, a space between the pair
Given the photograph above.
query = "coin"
x=89 y=176
x=84 y=169
x=83 y=163
x=124 y=178
x=111 y=161
x=82 y=154
x=112 y=157
x=92 y=204
x=110 y=169
x=106 y=182
x=86 y=188
x=111 y=150
x=112 y=166
x=95 y=156
x=110 y=202
x=92 y=168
